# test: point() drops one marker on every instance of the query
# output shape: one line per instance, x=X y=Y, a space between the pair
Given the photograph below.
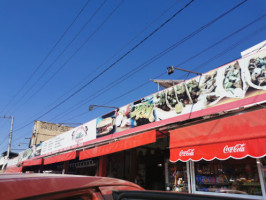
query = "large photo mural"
x=232 y=82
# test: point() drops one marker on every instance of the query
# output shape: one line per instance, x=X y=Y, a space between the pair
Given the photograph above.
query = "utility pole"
x=10 y=137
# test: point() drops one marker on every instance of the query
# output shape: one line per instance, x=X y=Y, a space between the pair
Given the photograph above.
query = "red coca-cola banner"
x=255 y=148
x=236 y=136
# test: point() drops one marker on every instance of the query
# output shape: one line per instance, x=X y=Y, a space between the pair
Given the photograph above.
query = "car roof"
x=15 y=186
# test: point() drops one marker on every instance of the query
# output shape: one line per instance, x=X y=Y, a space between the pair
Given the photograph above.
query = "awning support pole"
x=262 y=183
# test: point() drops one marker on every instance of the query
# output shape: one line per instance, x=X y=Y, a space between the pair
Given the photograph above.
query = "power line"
x=156 y=57
x=120 y=50
x=57 y=58
x=95 y=31
x=126 y=93
x=83 y=44
x=122 y=57
x=198 y=67
x=138 y=34
x=129 y=42
x=45 y=58
x=105 y=20
x=189 y=59
x=222 y=40
x=191 y=35
x=233 y=46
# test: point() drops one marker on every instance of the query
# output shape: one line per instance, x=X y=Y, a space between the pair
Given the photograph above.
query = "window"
x=228 y=176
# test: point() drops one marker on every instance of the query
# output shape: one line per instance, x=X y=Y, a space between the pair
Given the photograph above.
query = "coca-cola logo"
x=189 y=152
x=234 y=149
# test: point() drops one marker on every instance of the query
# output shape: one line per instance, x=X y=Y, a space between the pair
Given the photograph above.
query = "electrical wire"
x=120 y=50
x=129 y=42
x=97 y=29
x=112 y=65
x=45 y=58
x=202 y=28
x=198 y=67
x=105 y=20
x=233 y=46
x=154 y=58
x=126 y=93
x=223 y=39
x=56 y=59
x=70 y=58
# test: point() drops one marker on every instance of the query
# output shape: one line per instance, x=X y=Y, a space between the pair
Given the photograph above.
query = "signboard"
x=233 y=82
x=30 y=153
x=70 y=139
x=239 y=83
x=12 y=162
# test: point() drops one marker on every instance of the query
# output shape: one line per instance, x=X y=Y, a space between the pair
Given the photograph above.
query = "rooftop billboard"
x=236 y=84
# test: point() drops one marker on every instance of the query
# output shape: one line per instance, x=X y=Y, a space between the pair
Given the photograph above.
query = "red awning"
x=13 y=169
x=236 y=136
x=32 y=162
x=128 y=143
x=60 y=158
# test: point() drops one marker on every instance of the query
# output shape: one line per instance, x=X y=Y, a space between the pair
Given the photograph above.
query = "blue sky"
x=30 y=29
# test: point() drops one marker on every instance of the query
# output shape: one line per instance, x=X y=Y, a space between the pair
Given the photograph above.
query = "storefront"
x=216 y=127
x=223 y=156
x=58 y=164
x=32 y=166
x=139 y=158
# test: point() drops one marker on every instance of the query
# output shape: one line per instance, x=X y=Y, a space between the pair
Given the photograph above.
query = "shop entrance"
x=150 y=165
x=143 y=165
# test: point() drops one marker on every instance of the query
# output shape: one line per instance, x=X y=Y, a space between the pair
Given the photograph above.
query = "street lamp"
x=91 y=107
x=171 y=69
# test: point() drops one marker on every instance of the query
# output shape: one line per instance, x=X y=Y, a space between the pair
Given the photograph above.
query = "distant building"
x=43 y=131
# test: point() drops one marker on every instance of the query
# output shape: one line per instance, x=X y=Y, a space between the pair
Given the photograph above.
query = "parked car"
x=74 y=187
x=58 y=186
x=164 y=195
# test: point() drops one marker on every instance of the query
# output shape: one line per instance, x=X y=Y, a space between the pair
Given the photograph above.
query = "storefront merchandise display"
x=177 y=174
x=228 y=176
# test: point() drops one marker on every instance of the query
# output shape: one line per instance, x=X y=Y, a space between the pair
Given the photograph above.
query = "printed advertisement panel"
x=30 y=153
x=232 y=82
x=12 y=162
x=70 y=139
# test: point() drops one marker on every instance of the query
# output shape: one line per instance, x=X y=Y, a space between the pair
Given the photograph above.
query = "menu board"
x=70 y=139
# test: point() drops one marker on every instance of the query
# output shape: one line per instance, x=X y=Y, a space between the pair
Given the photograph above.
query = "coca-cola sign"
x=234 y=149
x=189 y=152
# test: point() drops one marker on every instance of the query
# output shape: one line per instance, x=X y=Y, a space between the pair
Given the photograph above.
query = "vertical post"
x=103 y=166
x=133 y=164
x=65 y=167
x=261 y=177
x=10 y=137
x=166 y=173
